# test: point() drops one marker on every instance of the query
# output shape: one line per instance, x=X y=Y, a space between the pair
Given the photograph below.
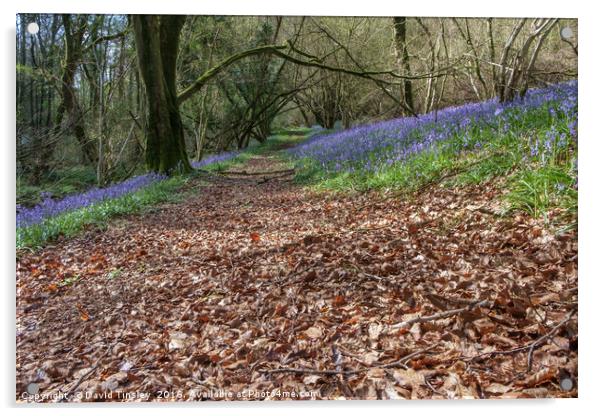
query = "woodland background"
x=81 y=101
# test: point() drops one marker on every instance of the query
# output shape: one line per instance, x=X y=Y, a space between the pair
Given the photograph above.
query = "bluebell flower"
x=372 y=146
x=52 y=207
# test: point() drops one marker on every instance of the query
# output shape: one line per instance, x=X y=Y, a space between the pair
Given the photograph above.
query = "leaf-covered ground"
x=255 y=288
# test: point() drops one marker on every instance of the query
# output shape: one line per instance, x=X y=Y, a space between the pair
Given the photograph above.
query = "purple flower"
x=50 y=208
x=221 y=157
x=371 y=146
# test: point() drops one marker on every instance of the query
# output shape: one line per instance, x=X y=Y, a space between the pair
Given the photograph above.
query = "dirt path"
x=255 y=285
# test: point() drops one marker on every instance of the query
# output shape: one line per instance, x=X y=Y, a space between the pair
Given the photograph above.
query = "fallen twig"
x=297 y=370
x=92 y=369
x=441 y=315
x=531 y=346
x=407 y=358
x=546 y=337
x=244 y=172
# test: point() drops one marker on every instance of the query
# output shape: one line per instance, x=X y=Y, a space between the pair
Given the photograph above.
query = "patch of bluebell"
x=371 y=147
x=49 y=207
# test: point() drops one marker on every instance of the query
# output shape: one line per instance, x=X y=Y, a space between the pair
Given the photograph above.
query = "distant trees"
x=74 y=29
x=513 y=73
x=59 y=88
x=110 y=91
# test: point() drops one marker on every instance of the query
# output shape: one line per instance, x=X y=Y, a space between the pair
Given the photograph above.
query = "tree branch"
x=203 y=79
x=105 y=38
x=278 y=50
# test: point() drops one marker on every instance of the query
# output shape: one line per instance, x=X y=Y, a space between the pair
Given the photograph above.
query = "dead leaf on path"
x=177 y=340
x=83 y=313
x=370 y=357
x=497 y=388
x=313 y=332
x=409 y=378
x=311 y=379
x=542 y=376
x=338 y=301
x=374 y=331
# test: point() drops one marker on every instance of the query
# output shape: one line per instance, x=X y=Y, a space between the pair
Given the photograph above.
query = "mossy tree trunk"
x=157 y=41
x=69 y=103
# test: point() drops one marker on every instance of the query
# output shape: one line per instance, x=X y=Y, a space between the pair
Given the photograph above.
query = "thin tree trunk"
x=69 y=104
x=403 y=60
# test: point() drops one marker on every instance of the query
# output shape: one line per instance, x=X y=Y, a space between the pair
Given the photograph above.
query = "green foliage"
x=536 y=191
x=72 y=222
x=58 y=183
x=533 y=150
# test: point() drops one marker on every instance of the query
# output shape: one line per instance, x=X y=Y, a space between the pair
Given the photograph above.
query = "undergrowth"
x=98 y=214
x=533 y=149
x=72 y=222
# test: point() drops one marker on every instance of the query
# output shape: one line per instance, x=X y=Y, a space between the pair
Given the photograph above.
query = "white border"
x=590 y=190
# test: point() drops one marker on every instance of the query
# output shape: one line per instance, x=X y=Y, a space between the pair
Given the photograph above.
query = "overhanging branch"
x=203 y=79
x=278 y=50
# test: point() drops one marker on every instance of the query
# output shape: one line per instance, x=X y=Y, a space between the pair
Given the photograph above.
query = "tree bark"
x=403 y=60
x=69 y=103
x=157 y=41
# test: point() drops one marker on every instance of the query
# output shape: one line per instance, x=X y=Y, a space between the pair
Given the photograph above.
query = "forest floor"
x=257 y=288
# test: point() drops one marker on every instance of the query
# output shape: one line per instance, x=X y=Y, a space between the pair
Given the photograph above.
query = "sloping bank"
x=67 y=216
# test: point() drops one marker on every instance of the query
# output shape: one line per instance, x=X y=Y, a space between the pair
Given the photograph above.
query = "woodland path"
x=255 y=284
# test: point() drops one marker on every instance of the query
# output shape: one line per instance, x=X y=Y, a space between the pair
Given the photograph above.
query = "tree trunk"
x=69 y=104
x=157 y=39
x=403 y=60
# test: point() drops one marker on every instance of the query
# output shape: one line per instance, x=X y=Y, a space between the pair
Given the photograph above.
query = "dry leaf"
x=313 y=332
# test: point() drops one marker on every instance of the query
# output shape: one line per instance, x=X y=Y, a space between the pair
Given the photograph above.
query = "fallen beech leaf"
x=126 y=366
x=542 y=376
x=376 y=373
x=390 y=393
x=311 y=379
x=409 y=378
x=497 y=388
x=416 y=331
x=236 y=365
x=83 y=314
x=182 y=369
x=370 y=358
x=338 y=300
x=177 y=340
x=313 y=332
x=544 y=299
x=374 y=331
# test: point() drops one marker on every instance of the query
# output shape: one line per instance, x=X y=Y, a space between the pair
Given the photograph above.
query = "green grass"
x=272 y=146
x=98 y=215
x=535 y=183
x=58 y=183
x=536 y=191
x=73 y=222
